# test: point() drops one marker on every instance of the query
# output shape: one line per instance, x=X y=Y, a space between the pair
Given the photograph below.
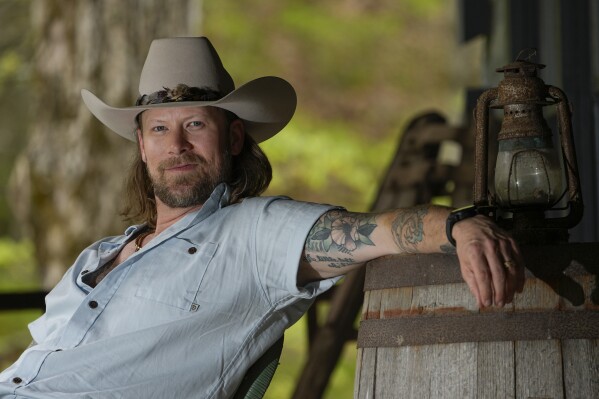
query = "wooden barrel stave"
x=547 y=368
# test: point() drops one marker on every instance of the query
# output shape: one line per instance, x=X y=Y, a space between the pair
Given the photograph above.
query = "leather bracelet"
x=457 y=215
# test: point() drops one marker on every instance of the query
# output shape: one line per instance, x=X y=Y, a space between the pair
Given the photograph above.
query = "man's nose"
x=178 y=143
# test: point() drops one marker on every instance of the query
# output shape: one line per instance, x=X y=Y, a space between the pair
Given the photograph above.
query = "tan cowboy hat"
x=265 y=104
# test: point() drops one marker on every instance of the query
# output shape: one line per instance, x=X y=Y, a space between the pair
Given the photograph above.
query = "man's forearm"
x=421 y=229
x=340 y=241
x=490 y=260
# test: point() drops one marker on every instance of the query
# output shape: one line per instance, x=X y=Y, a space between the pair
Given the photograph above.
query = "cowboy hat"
x=265 y=104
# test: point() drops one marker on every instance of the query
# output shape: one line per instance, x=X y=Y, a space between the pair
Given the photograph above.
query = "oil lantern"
x=535 y=192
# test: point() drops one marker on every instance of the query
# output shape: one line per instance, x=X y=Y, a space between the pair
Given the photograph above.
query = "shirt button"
x=92 y=304
x=17 y=380
x=192 y=250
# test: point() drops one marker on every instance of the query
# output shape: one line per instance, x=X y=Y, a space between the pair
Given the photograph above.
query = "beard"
x=191 y=188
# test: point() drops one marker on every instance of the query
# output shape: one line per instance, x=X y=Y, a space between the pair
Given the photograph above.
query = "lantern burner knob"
x=520 y=68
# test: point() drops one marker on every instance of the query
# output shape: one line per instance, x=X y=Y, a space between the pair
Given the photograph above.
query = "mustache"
x=185 y=158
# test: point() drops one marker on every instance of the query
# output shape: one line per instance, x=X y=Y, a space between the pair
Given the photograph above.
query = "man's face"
x=187 y=151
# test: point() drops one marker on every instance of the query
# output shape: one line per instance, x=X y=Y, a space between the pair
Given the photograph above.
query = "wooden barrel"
x=422 y=336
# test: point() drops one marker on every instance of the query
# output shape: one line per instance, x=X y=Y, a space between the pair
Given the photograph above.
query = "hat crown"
x=184 y=60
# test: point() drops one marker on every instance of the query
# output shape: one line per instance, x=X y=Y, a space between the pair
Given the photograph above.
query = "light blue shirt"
x=182 y=318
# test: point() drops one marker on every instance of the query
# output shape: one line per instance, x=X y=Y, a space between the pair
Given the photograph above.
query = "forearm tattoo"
x=447 y=249
x=335 y=262
x=342 y=232
x=408 y=229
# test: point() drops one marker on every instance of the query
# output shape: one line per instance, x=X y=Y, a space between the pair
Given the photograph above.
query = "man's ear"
x=236 y=136
x=140 y=142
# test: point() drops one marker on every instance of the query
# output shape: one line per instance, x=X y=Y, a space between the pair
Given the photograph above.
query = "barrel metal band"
x=478 y=327
x=412 y=270
x=547 y=262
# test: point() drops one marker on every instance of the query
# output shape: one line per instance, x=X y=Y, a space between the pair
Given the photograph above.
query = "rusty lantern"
x=536 y=192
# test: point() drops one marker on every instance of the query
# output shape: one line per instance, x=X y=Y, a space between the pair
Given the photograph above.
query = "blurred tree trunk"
x=66 y=186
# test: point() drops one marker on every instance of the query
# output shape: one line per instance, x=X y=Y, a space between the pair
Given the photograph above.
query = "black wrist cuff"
x=457 y=215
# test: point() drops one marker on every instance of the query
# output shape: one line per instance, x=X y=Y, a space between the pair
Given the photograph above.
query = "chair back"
x=259 y=375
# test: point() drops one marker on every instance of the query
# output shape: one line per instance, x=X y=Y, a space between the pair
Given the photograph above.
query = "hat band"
x=178 y=94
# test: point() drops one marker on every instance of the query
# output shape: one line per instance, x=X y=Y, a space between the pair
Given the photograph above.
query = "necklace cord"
x=139 y=240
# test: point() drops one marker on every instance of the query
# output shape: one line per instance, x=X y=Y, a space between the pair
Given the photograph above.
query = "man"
x=183 y=303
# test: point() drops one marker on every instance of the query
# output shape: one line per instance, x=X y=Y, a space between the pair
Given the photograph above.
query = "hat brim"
x=265 y=105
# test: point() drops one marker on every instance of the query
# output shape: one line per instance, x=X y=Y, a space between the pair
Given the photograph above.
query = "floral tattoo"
x=339 y=231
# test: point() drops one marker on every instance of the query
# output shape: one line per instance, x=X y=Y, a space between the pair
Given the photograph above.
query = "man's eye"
x=159 y=128
x=195 y=124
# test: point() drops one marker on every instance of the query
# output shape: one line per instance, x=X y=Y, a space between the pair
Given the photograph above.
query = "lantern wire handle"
x=531 y=53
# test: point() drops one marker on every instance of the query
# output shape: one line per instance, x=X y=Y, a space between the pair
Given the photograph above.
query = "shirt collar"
x=218 y=199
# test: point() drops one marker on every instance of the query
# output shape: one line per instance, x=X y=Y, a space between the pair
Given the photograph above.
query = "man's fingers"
x=492 y=269
x=471 y=282
x=498 y=278
x=479 y=268
x=507 y=273
x=491 y=259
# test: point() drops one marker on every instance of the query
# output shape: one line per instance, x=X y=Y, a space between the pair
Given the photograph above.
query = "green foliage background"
x=15 y=52
x=361 y=71
x=17 y=273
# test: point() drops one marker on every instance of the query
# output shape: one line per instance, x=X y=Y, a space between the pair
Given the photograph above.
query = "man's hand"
x=490 y=261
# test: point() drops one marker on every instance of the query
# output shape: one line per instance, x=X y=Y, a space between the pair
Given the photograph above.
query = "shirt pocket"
x=172 y=273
